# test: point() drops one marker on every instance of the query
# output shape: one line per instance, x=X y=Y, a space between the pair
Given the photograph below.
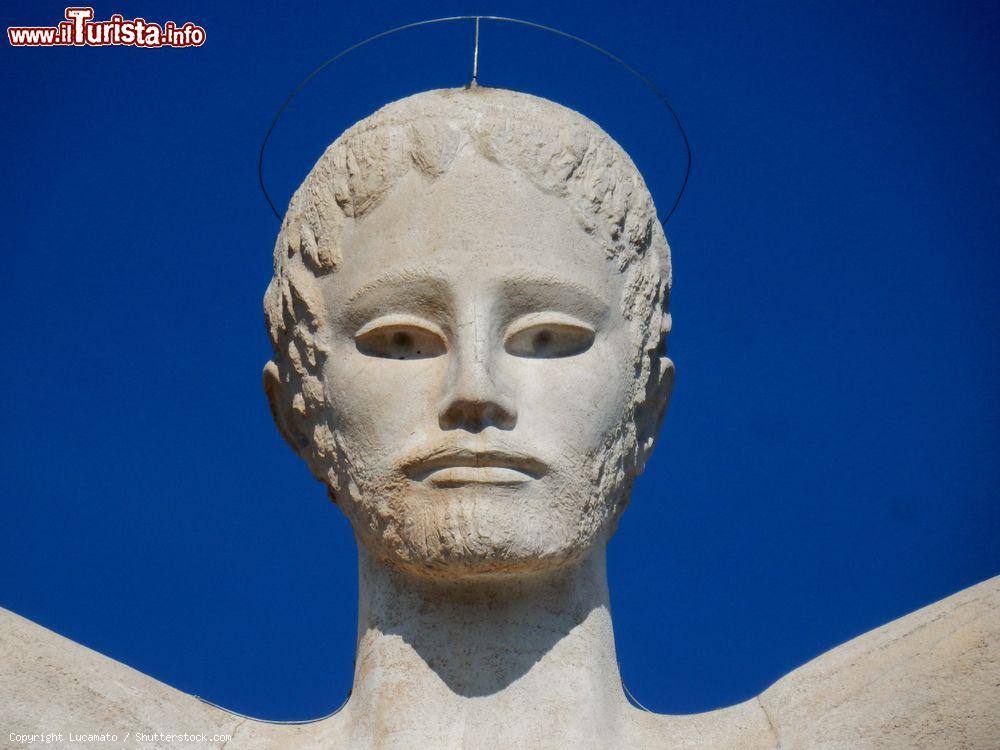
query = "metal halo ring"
x=645 y=81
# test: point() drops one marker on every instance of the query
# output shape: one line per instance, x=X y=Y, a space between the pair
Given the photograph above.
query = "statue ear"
x=284 y=415
x=658 y=390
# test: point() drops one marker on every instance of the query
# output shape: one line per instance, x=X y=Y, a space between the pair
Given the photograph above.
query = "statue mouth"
x=454 y=466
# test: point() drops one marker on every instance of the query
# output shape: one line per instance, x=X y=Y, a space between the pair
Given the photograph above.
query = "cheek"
x=575 y=402
x=378 y=403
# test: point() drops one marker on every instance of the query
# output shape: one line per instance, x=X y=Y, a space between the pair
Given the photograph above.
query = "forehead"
x=478 y=225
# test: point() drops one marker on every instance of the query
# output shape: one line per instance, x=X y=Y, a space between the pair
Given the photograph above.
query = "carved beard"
x=481 y=530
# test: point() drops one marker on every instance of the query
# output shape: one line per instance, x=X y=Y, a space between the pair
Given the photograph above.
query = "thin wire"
x=475 y=56
x=648 y=83
x=276 y=721
x=633 y=698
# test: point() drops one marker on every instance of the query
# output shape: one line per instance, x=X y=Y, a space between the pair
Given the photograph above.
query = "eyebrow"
x=428 y=277
x=418 y=275
x=581 y=293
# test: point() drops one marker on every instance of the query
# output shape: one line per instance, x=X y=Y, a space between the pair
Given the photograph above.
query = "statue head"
x=469 y=313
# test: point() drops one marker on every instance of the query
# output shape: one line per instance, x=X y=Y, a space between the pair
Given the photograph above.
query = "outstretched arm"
x=928 y=680
x=49 y=684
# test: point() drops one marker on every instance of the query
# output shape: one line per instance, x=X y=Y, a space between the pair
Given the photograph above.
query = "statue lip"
x=458 y=465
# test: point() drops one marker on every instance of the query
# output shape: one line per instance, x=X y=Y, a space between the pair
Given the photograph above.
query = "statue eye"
x=545 y=340
x=399 y=340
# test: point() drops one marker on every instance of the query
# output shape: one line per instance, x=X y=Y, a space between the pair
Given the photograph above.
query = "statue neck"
x=497 y=664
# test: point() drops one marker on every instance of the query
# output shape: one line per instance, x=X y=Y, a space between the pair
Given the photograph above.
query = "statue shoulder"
x=50 y=684
x=930 y=680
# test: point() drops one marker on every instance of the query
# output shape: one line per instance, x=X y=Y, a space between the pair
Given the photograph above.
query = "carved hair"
x=557 y=149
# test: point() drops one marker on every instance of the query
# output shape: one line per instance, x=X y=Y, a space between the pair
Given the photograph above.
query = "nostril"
x=476 y=416
x=496 y=415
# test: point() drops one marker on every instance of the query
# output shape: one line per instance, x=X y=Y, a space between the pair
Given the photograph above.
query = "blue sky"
x=828 y=462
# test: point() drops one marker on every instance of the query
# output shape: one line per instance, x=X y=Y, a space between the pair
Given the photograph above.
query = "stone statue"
x=469 y=313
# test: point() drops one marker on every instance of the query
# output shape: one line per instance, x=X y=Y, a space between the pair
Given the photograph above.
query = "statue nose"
x=474 y=400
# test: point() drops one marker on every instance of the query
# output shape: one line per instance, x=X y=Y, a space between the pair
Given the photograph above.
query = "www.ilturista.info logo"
x=80 y=30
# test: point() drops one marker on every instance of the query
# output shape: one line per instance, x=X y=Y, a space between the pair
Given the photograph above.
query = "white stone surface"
x=928 y=680
x=470 y=296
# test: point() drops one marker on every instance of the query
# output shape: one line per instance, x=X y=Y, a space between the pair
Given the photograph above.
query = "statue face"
x=479 y=372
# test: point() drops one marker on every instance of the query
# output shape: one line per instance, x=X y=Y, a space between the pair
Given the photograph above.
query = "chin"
x=477 y=532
